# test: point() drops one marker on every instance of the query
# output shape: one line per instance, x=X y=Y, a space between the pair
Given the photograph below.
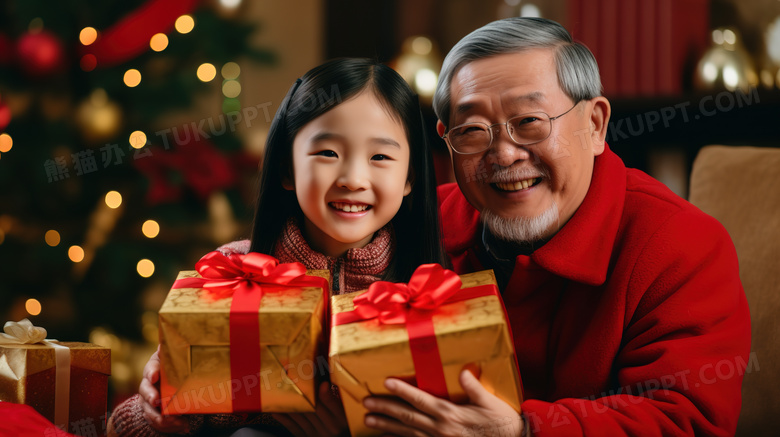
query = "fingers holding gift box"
x=425 y=333
x=241 y=335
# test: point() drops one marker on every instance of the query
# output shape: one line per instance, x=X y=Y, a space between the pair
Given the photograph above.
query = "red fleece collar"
x=582 y=249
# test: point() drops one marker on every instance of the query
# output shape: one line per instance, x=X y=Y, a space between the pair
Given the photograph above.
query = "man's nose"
x=354 y=176
x=503 y=151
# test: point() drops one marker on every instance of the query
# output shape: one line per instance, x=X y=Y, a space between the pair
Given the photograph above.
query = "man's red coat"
x=631 y=320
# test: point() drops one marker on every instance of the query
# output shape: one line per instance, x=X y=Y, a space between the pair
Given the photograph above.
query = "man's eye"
x=471 y=130
x=327 y=154
x=526 y=120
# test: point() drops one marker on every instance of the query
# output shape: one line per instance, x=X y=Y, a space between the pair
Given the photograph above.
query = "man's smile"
x=517 y=186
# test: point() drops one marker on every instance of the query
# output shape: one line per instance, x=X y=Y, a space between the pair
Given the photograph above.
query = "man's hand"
x=423 y=414
x=150 y=400
x=328 y=418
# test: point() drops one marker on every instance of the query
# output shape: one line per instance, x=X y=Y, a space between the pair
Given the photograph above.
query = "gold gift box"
x=471 y=334
x=28 y=374
x=195 y=350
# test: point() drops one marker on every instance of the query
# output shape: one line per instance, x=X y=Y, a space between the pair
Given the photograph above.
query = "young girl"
x=347 y=185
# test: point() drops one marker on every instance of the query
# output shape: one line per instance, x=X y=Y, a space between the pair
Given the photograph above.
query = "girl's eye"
x=380 y=158
x=327 y=154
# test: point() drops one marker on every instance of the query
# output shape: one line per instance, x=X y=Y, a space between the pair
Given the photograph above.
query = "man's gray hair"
x=578 y=73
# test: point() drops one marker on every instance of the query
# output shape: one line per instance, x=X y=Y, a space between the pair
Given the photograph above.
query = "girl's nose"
x=353 y=177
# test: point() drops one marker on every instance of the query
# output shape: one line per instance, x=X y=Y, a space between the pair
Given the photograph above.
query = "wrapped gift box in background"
x=198 y=374
x=470 y=332
x=29 y=375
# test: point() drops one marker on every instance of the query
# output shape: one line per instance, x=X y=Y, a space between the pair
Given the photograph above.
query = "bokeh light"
x=88 y=35
x=422 y=45
x=184 y=24
x=137 y=139
x=88 y=62
x=729 y=37
x=33 y=307
x=159 y=42
x=6 y=142
x=76 y=254
x=231 y=70
x=530 y=10
x=425 y=81
x=145 y=268
x=150 y=228
x=113 y=199
x=231 y=89
x=206 y=72
x=132 y=77
x=230 y=105
x=52 y=237
x=230 y=3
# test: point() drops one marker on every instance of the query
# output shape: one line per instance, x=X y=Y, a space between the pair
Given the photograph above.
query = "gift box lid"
x=192 y=311
x=19 y=360
x=483 y=314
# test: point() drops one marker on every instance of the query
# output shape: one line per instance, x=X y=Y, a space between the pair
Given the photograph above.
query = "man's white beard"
x=521 y=229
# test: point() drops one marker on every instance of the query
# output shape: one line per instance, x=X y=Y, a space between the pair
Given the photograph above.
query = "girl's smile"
x=347 y=206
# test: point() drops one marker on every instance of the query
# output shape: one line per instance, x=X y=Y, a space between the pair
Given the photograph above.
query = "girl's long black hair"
x=416 y=225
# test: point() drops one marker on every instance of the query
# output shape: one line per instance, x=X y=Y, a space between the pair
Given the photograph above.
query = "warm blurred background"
x=131 y=132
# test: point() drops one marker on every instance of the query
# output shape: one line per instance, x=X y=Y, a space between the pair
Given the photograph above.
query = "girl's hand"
x=150 y=400
x=240 y=247
x=328 y=418
x=423 y=414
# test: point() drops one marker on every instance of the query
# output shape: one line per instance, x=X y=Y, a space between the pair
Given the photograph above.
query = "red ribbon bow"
x=430 y=287
x=222 y=276
x=245 y=278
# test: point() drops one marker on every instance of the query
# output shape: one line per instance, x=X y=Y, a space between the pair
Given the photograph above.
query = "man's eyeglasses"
x=523 y=130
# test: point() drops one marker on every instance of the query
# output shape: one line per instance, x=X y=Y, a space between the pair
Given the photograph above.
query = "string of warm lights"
x=138 y=139
x=205 y=72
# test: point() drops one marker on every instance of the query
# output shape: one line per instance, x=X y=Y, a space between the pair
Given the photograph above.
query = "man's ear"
x=440 y=127
x=599 y=121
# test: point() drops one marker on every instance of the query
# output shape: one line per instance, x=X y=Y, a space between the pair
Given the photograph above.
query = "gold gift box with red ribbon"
x=425 y=333
x=66 y=382
x=242 y=334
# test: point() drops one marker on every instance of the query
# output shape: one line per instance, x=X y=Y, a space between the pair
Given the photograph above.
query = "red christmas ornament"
x=40 y=54
x=6 y=49
x=5 y=116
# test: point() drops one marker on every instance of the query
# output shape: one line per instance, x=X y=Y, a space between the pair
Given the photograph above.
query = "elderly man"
x=625 y=302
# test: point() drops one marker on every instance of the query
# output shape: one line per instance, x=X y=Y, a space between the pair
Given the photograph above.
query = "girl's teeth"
x=515 y=186
x=346 y=207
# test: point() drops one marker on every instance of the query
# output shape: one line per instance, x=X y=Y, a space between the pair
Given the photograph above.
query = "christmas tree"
x=107 y=188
